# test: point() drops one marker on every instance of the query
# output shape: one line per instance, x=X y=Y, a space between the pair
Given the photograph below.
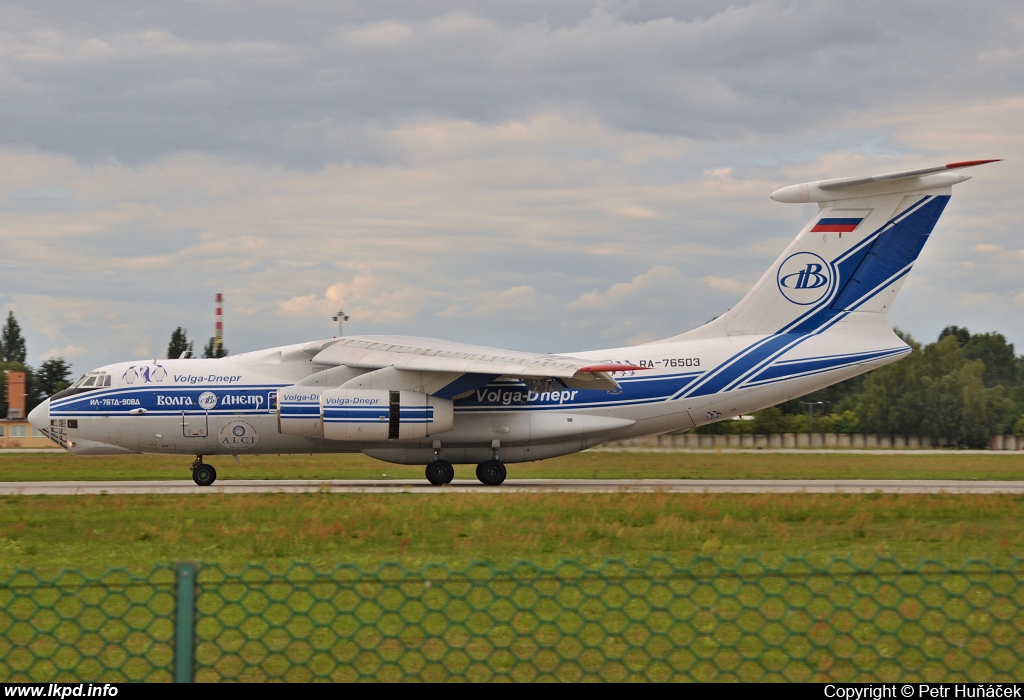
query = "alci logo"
x=144 y=373
x=239 y=435
x=804 y=278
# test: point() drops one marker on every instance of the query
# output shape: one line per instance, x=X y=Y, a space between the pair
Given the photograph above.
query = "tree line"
x=54 y=374
x=181 y=347
x=963 y=388
x=47 y=379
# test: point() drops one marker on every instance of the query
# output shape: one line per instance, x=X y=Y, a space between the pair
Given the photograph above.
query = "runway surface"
x=804 y=451
x=701 y=450
x=81 y=488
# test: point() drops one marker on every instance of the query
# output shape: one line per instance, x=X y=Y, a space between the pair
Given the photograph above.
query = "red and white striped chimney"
x=218 y=326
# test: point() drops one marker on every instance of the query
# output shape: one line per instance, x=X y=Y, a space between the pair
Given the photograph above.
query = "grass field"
x=116 y=530
x=94 y=532
x=61 y=466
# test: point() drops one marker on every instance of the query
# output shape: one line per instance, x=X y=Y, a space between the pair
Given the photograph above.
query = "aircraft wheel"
x=204 y=474
x=492 y=472
x=440 y=472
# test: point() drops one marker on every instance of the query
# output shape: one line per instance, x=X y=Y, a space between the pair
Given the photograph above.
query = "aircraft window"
x=87 y=382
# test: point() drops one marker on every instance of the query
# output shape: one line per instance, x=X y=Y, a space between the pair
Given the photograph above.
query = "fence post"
x=184 y=622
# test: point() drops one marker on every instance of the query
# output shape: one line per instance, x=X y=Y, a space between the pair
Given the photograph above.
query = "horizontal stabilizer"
x=886 y=183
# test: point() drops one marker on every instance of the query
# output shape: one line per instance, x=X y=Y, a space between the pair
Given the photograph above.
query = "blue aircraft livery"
x=817 y=316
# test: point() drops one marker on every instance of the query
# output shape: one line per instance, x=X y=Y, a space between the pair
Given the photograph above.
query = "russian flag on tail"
x=837 y=225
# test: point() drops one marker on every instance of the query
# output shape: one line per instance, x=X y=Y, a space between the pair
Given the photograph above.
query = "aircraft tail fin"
x=853 y=255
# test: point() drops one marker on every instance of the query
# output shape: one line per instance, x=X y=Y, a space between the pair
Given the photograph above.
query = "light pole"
x=340 y=317
x=810 y=415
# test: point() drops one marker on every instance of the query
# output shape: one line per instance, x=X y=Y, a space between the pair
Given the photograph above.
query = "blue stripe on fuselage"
x=169 y=400
x=515 y=395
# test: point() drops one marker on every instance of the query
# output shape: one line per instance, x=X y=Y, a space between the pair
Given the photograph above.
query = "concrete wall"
x=814 y=440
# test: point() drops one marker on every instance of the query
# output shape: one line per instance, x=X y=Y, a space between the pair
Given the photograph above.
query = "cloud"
x=68 y=352
x=634 y=212
x=638 y=290
x=372 y=299
x=312 y=84
x=521 y=301
x=537 y=175
x=726 y=284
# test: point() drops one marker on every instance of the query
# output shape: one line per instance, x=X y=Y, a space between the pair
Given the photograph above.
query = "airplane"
x=816 y=317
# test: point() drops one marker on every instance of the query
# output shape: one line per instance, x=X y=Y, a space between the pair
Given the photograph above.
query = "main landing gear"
x=490 y=473
x=203 y=474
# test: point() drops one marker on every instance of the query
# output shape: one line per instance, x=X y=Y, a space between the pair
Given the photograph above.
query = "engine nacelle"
x=298 y=411
x=363 y=415
x=377 y=415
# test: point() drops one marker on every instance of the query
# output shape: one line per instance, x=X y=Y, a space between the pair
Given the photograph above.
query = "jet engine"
x=362 y=415
x=298 y=411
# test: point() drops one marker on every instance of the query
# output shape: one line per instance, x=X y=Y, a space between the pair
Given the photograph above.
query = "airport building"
x=15 y=430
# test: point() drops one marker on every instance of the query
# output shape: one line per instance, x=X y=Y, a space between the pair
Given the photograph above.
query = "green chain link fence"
x=750 y=619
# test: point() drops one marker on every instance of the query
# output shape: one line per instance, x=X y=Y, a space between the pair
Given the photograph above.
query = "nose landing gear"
x=203 y=474
x=440 y=472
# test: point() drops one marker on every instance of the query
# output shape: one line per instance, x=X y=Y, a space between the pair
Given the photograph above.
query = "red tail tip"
x=971 y=163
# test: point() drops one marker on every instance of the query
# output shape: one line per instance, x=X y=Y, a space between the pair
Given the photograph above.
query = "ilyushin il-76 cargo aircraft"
x=816 y=317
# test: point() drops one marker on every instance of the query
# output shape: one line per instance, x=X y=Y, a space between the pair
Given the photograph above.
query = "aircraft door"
x=196 y=423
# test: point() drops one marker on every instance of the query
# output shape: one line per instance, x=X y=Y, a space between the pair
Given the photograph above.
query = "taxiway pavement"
x=82 y=488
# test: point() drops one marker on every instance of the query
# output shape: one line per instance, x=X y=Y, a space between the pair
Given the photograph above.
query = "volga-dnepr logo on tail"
x=804 y=278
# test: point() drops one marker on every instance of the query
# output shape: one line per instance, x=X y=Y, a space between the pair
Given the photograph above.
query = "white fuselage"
x=229 y=405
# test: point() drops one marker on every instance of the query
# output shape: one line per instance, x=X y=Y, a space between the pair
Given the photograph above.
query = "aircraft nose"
x=39 y=416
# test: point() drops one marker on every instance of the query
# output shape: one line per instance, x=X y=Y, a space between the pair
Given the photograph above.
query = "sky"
x=548 y=176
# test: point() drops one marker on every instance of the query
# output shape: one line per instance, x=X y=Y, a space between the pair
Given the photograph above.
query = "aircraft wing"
x=432 y=355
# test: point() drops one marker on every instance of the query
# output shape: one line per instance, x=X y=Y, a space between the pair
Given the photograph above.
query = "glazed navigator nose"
x=39 y=416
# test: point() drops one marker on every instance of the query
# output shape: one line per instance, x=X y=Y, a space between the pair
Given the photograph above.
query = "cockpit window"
x=87 y=382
